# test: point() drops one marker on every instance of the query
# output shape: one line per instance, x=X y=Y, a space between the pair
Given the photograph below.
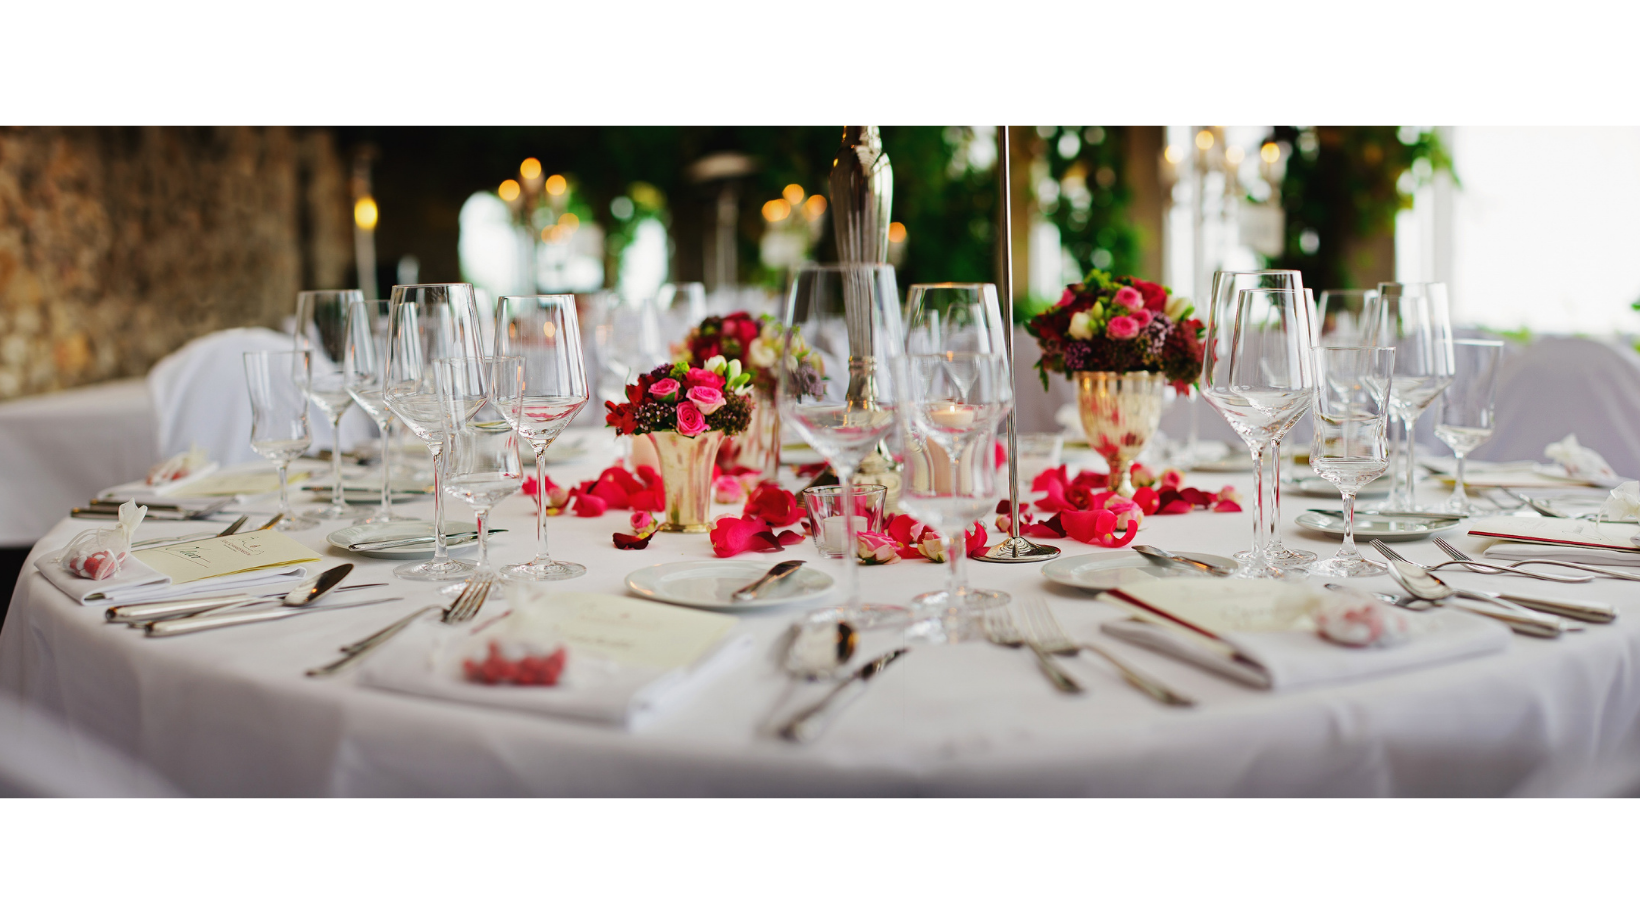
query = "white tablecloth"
x=57 y=450
x=230 y=713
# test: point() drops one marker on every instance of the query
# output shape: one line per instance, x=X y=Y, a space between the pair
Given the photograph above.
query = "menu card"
x=224 y=555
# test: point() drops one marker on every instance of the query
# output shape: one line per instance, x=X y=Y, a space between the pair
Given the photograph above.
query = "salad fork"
x=1483 y=567
x=463 y=609
x=1453 y=551
x=1000 y=630
x=1044 y=627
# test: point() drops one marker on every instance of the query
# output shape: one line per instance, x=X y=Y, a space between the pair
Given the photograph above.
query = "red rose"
x=1155 y=297
x=702 y=377
x=691 y=422
x=774 y=505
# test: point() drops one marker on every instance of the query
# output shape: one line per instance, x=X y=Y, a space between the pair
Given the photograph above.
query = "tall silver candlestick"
x=1015 y=548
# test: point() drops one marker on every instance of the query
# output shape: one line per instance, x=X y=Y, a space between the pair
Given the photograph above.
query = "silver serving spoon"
x=776 y=574
x=1164 y=557
x=1425 y=586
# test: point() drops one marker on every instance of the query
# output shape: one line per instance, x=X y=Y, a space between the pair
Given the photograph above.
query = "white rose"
x=762 y=354
x=1081 y=326
x=1176 y=306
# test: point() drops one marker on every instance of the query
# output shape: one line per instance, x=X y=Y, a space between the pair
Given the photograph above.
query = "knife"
x=1533 y=540
x=384 y=544
x=1163 y=556
x=301 y=595
x=184 y=606
x=1362 y=515
x=776 y=574
x=202 y=621
x=811 y=722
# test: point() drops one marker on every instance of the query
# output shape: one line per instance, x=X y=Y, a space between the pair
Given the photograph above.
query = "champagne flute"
x=539 y=396
x=482 y=465
x=1415 y=321
x=1466 y=417
x=837 y=374
x=322 y=320
x=1257 y=371
x=1227 y=289
x=365 y=368
x=1350 y=447
x=954 y=340
x=429 y=323
x=279 y=382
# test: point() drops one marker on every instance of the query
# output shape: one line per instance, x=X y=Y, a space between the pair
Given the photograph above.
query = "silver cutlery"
x=809 y=723
x=1537 y=505
x=113 y=503
x=138 y=613
x=384 y=544
x=1362 y=514
x=1044 y=627
x=200 y=622
x=1164 y=557
x=156 y=543
x=1461 y=560
x=463 y=609
x=1000 y=630
x=817 y=650
x=270 y=524
x=225 y=615
x=1425 y=586
x=775 y=575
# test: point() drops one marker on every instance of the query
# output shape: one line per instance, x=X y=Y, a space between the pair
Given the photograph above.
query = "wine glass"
x=681 y=306
x=629 y=342
x=1227 y=289
x=481 y=465
x=1466 y=419
x=1351 y=447
x=322 y=325
x=1415 y=321
x=1257 y=371
x=364 y=366
x=279 y=382
x=1347 y=318
x=429 y=323
x=954 y=339
x=539 y=396
x=837 y=373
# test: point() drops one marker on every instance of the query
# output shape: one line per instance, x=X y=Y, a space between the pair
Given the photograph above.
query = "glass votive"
x=824 y=506
x=1038 y=452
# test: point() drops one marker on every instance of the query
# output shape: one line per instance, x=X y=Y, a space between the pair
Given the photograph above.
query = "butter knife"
x=813 y=721
x=776 y=574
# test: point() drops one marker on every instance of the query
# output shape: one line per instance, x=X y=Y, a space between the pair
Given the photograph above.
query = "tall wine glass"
x=1415 y=321
x=1466 y=417
x=1351 y=447
x=364 y=367
x=1257 y=371
x=481 y=465
x=1347 y=318
x=279 y=382
x=681 y=306
x=540 y=395
x=1227 y=289
x=629 y=342
x=837 y=386
x=950 y=468
x=322 y=319
x=429 y=323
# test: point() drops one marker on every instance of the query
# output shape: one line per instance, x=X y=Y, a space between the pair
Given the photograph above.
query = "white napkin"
x=1581 y=462
x=138 y=583
x=426 y=661
x=1575 y=530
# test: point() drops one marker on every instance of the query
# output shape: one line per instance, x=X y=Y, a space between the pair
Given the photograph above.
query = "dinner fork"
x=463 y=609
x=1621 y=575
x=1044 y=627
x=1483 y=567
x=1000 y=630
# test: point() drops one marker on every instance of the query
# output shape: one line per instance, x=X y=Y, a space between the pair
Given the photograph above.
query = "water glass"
x=824 y=506
x=364 y=366
x=323 y=320
x=482 y=465
x=1351 y=446
x=1466 y=417
x=1415 y=320
x=279 y=381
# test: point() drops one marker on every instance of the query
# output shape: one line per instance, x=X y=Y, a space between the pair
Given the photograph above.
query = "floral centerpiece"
x=1122 y=340
x=755 y=343
x=686 y=411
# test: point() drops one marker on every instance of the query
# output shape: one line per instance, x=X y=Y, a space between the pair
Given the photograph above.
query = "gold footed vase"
x=759 y=447
x=686 y=473
x=1120 y=412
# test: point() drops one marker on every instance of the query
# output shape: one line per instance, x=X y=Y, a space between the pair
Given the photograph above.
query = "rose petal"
x=629 y=541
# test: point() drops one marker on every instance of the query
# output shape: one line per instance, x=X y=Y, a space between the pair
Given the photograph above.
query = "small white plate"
x=1104 y=570
x=1368 y=526
x=711 y=584
x=381 y=532
x=1321 y=487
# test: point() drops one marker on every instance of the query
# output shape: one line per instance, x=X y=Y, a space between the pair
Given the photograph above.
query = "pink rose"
x=1128 y=297
x=876 y=549
x=708 y=399
x=1140 y=317
x=691 y=422
x=1066 y=299
x=696 y=378
x=1122 y=327
x=665 y=388
x=727 y=489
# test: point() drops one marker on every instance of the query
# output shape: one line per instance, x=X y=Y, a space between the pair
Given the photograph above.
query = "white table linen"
x=229 y=712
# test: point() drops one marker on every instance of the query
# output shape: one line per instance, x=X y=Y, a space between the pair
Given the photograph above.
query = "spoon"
x=1164 y=557
x=776 y=574
x=228 y=614
x=1425 y=586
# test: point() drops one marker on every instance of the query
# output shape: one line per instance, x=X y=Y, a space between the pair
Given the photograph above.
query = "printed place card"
x=224 y=555
x=621 y=629
x=224 y=484
x=1225 y=607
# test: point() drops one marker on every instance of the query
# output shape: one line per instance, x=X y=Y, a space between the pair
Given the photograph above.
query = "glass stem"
x=387 y=475
x=440 y=554
x=1460 y=498
x=851 y=554
x=483 y=516
x=284 y=490
x=1258 y=508
x=958 y=579
x=1394 y=499
x=541 y=556
x=1272 y=508
x=336 y=499
x=1348 y=551
x=1412 y=461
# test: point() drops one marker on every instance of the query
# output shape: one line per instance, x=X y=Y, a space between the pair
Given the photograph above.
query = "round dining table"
x=230 y=712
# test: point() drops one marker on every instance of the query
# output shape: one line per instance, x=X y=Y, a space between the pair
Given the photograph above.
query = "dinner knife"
x=415 y=540
x=203 y=621
x=183 y=606
x=811 y=722
x=775 y=575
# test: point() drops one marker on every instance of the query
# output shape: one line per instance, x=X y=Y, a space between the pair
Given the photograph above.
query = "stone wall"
x=117 y=245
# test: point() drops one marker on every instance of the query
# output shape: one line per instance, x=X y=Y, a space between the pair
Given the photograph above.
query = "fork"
x=463 y=609
x=1483 y=567
x=1001 y=630
x=1452 y=550
x=1045 y=629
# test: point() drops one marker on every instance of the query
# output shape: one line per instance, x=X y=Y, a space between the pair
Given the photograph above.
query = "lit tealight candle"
x=834 y=535
x=954 y=416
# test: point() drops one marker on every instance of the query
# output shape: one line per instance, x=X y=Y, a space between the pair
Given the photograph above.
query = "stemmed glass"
x=629 y=341
x=682 y=305
x=279 y=381
x=837 y=386
x=1414 y=320
x=364 y=366
x=1465 y=420
x=482 y=465
x=1257 y=371
x=1351 y=447
x=322 y=326
x=429 y=323
x=958 y=389
x=1227 y=289
x=1347 y=318
x=539 y=396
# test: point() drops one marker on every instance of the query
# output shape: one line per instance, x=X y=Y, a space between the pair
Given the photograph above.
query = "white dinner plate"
x=711 y=584
x=1321 y=487
x=1368 y=526
x=1104 y=570
x=380 y=532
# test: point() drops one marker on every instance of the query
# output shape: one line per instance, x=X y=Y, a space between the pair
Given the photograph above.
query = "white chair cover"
x=1568 y=385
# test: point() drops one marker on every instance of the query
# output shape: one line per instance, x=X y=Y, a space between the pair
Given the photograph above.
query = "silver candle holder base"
x=1019 y=549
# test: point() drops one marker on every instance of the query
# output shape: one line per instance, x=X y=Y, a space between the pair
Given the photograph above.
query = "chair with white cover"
x=1568 y=385
x=200 y=398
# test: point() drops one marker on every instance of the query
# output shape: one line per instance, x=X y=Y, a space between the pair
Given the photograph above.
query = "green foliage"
x=1090 y=209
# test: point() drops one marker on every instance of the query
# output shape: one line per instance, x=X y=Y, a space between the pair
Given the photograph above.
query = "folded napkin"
x=1267 y=637
x=1518 y=538
x=136 y=582
x=1581 y=462
x=628 y=660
